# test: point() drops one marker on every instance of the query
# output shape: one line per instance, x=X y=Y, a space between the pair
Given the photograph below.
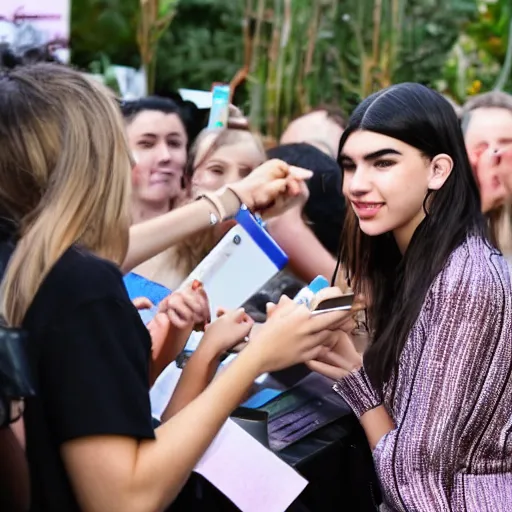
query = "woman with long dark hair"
x=433 y=392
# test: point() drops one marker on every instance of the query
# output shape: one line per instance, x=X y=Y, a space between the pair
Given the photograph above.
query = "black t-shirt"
x=90 y=353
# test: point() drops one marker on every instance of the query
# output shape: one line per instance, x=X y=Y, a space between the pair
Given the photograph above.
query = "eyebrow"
x=374 y=155
x=154 y=135
x=216 y=161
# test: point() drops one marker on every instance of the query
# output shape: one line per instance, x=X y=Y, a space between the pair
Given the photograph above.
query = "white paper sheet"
x=250 y=475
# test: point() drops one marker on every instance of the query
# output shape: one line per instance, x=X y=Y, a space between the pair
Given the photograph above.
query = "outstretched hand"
x=166 y=342
x=338 y=360
x=229 y=330
x=272 y=182
x=292 y=335
x=171 y=327
x=187 y=307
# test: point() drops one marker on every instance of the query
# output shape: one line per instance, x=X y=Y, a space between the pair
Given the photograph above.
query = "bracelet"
x=231 y=202
x=214 y=217
x=234 y=196
x=226 y=203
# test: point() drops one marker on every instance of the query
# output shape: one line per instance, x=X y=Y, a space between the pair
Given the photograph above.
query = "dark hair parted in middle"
x=396 y=285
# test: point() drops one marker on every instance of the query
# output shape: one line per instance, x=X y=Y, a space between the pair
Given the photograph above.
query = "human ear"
x=441 y=168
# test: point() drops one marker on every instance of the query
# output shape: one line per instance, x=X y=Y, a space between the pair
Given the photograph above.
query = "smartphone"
x=219 y=112
x=343 y=303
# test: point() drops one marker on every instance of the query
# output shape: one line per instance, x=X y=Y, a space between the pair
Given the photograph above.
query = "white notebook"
x=239 y=265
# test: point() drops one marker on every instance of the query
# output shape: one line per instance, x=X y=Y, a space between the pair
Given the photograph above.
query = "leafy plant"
x=104 y=28
x=154 y=20
x=287 y=56
x=307 y=52
x=102 y=68
x=481 y=59
x=203 y=46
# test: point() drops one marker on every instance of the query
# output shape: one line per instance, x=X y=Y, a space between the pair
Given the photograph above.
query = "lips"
x=366 y=210
x=161 y=178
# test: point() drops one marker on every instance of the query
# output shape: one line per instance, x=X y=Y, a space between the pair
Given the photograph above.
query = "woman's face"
x=226 y=165
x=158 y=142
x=489 y=130
x=386 y=182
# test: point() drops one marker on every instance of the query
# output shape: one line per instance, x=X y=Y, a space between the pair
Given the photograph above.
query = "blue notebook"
x=138 y=286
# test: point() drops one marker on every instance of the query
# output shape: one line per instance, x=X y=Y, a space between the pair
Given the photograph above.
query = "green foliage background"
x=306 y=52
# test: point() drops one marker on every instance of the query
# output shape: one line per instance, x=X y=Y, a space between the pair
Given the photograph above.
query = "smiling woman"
x=487 y=125
x=387 y=181
x=433 y=394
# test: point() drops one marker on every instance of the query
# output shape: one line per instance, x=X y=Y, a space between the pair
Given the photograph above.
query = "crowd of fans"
x=106 y=206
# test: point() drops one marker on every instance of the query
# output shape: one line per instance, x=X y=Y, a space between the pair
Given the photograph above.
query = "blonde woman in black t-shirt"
x=65 y=174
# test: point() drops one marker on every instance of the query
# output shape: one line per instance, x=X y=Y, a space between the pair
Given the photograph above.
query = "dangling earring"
x=425 y=202
x=338 y=261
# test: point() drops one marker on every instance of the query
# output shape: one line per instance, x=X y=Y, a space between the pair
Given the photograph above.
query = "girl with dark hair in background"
x=158 y=142
x=434 y=389
x=310 y=232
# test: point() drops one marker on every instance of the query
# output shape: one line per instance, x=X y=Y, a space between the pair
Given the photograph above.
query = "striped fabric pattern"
x=452 y=448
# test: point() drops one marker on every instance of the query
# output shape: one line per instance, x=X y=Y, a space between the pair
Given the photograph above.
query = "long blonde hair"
x=64 y=170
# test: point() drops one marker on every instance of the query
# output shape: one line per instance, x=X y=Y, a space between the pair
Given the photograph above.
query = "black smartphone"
x=343 y=303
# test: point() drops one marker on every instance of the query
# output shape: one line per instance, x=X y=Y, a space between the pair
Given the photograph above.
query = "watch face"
x=213 y=219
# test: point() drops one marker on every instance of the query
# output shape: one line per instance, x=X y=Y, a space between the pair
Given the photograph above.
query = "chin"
x=157 y=199
x=197 y=191
x=373 y=227
x=161 y=198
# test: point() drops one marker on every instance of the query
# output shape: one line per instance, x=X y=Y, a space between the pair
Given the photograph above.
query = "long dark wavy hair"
x=396 y=284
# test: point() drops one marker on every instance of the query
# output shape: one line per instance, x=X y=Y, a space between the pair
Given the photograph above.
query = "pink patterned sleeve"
x=357 y=390
x=452 y=448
